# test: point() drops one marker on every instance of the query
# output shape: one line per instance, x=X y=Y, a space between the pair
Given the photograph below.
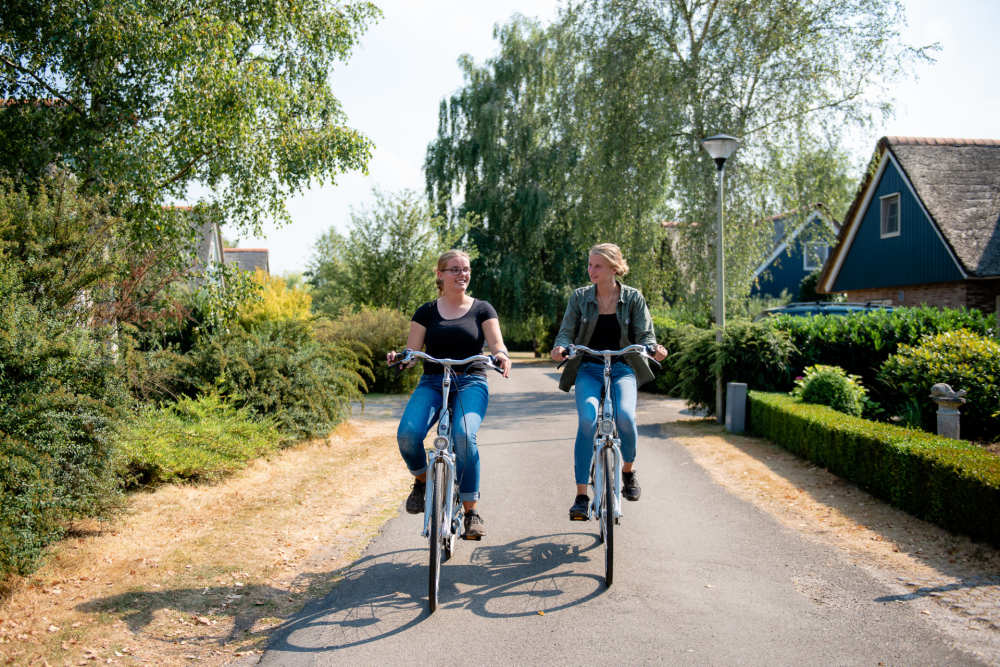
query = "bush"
x=950 y=482
x=860 y=343
x=275 y=301
x=59 y=393
x=753 y=353
x=277 y=369
x=198 y=439
x=962 y=359
x=831 y=386
x=371 y=333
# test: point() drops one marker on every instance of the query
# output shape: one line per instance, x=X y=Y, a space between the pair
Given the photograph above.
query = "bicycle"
x=443 y=511
x=606 y=463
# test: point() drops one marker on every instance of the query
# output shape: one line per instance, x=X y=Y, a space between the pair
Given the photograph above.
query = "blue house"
x=801 y=246
x=924 y=228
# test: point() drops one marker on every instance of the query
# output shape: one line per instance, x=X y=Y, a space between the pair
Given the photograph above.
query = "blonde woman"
x=453 y=326
x=605 y=315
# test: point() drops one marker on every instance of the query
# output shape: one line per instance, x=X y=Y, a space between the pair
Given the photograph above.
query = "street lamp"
x=720 y=147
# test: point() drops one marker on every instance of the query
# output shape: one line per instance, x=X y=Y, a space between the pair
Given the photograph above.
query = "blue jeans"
x=469 y=397
x=624 y=391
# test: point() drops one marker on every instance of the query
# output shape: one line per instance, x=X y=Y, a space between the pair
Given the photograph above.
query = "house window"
x=890 y=216
x=815 y=256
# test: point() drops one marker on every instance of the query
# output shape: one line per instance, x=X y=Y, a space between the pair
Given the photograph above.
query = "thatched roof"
x=248 y=259
x=958 y=182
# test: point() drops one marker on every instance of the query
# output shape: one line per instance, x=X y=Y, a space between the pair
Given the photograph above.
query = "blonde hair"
x=443 y=260
x=613 y=254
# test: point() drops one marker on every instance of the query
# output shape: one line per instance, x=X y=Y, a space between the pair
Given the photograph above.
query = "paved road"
x=701 y=577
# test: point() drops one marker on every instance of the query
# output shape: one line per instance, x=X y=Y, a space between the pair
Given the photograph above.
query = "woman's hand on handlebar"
x=393 y=357
x=659 y=352
x=558 y=353
x=502 y=361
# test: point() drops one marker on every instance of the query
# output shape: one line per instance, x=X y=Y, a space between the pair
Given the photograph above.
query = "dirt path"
x=201 y=573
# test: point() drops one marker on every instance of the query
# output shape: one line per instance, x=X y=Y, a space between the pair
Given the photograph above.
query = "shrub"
x=950 y=482
x=753 y=353
x=961 y=359
x=860 y=343
x=59 y=392
x=277 y=369
x=372 y=332
x=192 y=439
x=277 y=301
x=831 y=386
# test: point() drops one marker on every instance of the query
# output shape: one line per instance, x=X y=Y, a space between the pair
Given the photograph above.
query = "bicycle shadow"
x=382 y=595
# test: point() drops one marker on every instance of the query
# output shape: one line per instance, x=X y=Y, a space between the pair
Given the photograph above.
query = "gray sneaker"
x=415 y=501
x=475 y=527
x=630 y=486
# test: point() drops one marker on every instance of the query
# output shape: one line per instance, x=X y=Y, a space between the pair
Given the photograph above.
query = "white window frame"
x=823 y=251
x=885 y=202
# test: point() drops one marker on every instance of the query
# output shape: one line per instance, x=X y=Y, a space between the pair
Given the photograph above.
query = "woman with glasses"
x=605 y=315
x=453 y=326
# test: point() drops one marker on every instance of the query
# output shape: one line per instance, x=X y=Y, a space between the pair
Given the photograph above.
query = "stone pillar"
x=736 y=407
x=948 y=401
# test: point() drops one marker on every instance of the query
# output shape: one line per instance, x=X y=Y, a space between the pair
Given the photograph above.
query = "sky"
x=406 y=64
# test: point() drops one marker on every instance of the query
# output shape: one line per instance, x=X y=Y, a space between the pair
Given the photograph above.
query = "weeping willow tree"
x=589 y=130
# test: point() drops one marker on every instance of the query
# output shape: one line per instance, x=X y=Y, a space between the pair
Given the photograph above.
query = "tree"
x=151 y=97
x=387 y=258
x=624 y=90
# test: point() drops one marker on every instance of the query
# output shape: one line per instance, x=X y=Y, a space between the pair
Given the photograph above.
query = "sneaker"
x=415 y=501
x=630 y=486
x=578 y=512
x=475 y=527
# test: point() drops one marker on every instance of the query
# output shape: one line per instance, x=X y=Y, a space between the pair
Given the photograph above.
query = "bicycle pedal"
x=472 y=538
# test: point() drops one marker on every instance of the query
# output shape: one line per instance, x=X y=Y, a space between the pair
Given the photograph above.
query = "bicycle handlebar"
x=646 y=351
x=408 y=355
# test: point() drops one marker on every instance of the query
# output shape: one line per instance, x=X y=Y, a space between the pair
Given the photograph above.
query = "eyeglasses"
x=455 y=270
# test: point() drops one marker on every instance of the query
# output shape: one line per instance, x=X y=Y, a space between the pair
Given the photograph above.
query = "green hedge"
x=952 y=483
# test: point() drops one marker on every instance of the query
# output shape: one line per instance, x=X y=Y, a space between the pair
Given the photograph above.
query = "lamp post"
x=720 y=147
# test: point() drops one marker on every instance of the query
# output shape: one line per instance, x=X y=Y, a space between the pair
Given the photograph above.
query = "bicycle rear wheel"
x=437 y=516
x=607 y=517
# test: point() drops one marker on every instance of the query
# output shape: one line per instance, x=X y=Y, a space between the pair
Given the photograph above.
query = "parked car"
x=808 y=308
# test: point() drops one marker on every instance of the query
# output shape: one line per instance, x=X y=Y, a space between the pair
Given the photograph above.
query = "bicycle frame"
x=606 y=436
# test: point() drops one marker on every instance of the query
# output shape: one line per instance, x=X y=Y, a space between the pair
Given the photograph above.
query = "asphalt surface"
x=701 y=577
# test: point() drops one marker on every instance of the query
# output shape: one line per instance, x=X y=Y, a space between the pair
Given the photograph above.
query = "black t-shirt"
x=607 y=336
x=454 y=339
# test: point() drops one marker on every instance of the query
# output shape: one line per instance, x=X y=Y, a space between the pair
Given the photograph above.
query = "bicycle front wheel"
x=437 y=515
x=607 y=514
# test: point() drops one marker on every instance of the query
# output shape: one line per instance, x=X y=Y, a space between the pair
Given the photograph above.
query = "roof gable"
x=956 y=185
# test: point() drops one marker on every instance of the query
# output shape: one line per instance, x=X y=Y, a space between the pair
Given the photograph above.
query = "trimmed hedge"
x=949 y=482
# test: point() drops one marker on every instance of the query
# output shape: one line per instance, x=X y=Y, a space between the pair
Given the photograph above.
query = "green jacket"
x=580 y=320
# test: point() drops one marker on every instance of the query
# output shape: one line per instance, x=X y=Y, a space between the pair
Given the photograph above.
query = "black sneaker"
x=475 y=527
x=630 y=486
x=578 y=512
x=415 y=501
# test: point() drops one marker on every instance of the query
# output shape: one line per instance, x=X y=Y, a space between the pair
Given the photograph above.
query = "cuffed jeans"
x=589 y=382
x=469 y=396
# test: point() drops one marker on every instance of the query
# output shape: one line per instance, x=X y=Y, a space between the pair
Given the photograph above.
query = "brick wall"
x=941 y=295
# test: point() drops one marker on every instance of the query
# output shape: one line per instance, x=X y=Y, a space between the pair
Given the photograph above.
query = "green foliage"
x=588 y=130
x=750 y=353
x=274 y=299
x=807 y=288
x=860 y=343
x=59 y=391
x=371 y=333
x=198 y=439
x=277 y=369
x=950 y=482
x=388 y=258
x=961 y=359
x=155 y=97
x=831 y=386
